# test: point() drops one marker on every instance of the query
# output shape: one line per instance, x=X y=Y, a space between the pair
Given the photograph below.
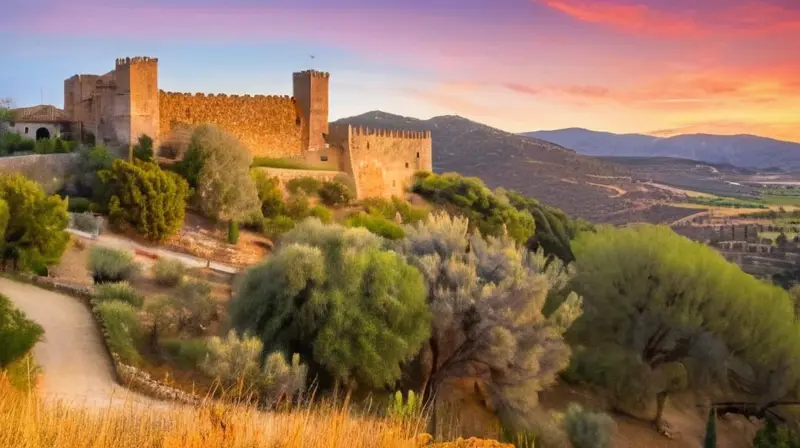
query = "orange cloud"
x=636 y=18
x=750 y=19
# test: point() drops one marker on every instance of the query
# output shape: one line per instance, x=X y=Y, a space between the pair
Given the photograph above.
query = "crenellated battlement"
x=312 y=73
x=390 y=133
x=224 y=96
x=123 y=62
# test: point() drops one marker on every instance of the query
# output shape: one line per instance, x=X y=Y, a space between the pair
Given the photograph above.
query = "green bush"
x=322 y=213
x=589 y=429
x=78 y=205
x=541 y=430
x=169 y=272
x=187 y=309
x=376 y=224
x=297 y=207
x=335 y=194
x=44 y=146
x=269 y=193
x=23 y=373
x=85 y=222
x=143 y=150
x=233 y=232
x=277 y=226
x=145 y=197
x=774 y=435
x=390 y=208
x=18 y=334
x=32 y=225
x=268 y=162
x=187 y=353
x=404 y=409
x=111 y=265
x=254 y=222
x=122 y=291
x=306 y=185
x=123 y=330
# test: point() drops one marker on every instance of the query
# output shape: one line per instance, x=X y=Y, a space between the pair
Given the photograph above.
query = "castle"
x=125 y=103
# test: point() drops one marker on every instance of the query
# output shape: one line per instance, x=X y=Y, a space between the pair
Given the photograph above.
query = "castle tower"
x=311 y=93
x=136 y=104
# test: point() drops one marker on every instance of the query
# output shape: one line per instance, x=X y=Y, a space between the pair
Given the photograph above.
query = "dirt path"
x=75 y=364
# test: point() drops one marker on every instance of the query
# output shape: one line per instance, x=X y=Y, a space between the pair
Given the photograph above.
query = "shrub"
x=233 y=232
x=389 y=209
x=23 y=373
x=305 y=185
x=122 y=291
x=277 y=226
x=85 y=222
x=143 y=150
x=91 y=162
x=237 y=360
x=588 y=429
x=145 y=197
x=110 y=265
x=175 y=145
x=404 y=409
x=322 y=213
x=269 y=193
x=541 y=430
x=187 y=353
x=297 y=207
x=376 y=224
x=44 y=146
x=189 y=308
x=18 y=334
x=123 y=330
x=335 y=193
x=169 y=272
x=78 y=205
x=32 y=225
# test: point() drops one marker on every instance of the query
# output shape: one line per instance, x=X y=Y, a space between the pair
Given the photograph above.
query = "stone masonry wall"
x=268 y=126
x=49 y=170
x=383 y=162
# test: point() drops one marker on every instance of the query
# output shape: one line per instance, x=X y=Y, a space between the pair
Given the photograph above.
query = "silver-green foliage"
x=588 y=429
x=169 y=272
x=359 y=310
x=237 y=361
x=225 y=189
x=486 y=295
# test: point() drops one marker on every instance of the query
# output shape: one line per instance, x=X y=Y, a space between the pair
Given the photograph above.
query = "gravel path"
x=75 y=363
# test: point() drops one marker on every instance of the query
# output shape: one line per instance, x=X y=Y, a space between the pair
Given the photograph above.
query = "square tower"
x=136 y=105
x=311 y=93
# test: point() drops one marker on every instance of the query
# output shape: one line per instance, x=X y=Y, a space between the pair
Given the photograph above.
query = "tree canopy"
x=218 y=167
x=471 y=198
x=143 y=196
x=333 y=295
x=486 y=295
x=664 y=300
x=32 y=225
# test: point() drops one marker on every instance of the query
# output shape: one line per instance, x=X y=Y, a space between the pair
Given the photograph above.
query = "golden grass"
x=28 y=422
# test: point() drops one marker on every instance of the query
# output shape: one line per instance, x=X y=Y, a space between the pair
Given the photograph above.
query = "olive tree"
x=218 y=167
x=486 y=296
x=335 y=297
x=663 y=301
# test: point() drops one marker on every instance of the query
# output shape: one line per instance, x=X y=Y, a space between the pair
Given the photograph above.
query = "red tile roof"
x=39 y=114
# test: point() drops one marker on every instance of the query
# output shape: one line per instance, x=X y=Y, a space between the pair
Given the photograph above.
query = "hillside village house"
x=40 y=122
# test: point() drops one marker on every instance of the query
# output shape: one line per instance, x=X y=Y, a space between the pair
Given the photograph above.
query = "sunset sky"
x=649 y=66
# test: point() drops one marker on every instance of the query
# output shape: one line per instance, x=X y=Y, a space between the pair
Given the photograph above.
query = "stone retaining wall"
x=51 y=171
x=128 y=376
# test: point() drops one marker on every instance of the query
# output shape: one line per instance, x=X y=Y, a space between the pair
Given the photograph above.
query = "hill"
x=746 y=151
x=581 y=186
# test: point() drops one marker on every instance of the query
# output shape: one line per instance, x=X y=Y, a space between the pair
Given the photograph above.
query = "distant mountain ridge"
x=746 y=151
x=546 y=171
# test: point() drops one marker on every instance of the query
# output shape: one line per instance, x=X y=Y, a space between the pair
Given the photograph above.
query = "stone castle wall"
x=268 y=126
x=285 y=175
x=383 y=162
x=51 y=171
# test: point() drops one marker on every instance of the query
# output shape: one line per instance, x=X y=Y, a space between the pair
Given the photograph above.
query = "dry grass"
x=28 y=422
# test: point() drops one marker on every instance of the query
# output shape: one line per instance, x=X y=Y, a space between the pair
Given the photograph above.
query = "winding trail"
x=75 y=363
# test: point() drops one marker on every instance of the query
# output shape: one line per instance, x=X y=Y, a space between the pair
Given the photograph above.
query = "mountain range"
x=580 y=185
x=746 y=151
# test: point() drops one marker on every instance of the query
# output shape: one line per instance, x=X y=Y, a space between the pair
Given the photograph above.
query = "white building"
x=40 y=122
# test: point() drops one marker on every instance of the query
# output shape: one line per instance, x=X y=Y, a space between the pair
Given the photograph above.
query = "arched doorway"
x=42 y=134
